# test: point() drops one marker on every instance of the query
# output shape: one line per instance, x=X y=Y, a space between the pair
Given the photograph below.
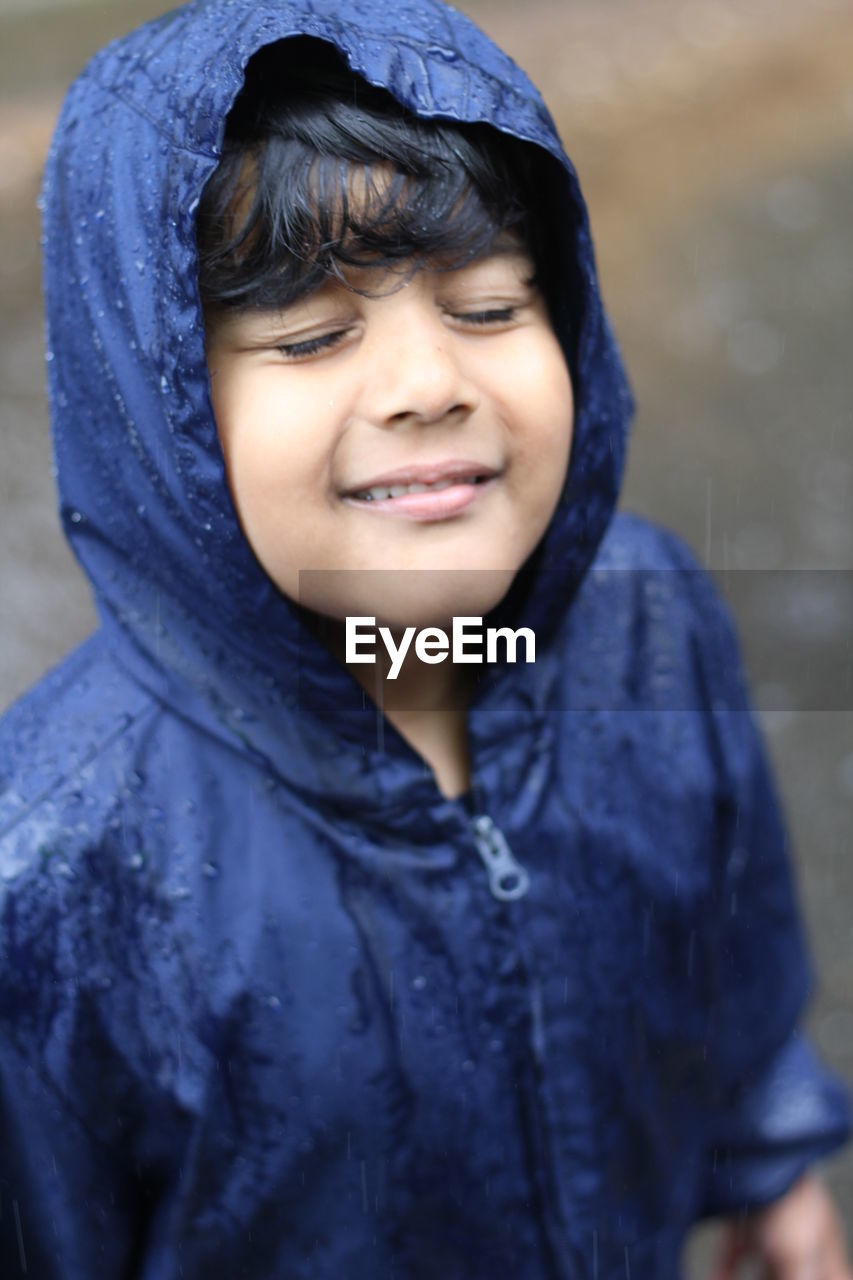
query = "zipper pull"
x=507 y=878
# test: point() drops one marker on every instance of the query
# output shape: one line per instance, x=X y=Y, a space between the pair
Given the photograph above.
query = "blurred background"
x=714 y=143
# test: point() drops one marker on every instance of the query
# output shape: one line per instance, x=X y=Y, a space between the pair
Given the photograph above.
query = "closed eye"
x=310 y=346
x=498 y=315
x=328 y=341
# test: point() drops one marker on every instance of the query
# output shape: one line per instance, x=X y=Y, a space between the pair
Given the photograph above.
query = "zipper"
x=507 y=877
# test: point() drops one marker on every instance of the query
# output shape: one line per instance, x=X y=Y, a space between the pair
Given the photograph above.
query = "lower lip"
x=426 y=506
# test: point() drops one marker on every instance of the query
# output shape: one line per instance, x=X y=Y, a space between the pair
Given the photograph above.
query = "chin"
x=433 y=597
x=399 y=598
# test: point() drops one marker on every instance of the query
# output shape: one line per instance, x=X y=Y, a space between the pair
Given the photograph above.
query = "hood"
x=183 y=602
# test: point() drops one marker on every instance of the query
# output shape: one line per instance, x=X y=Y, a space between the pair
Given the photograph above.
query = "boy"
x=497 y=970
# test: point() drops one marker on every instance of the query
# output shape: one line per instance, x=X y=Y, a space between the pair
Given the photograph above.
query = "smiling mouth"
x=421 y=502
x=380 y=492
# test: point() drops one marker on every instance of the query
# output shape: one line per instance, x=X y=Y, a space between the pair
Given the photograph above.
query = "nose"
x=417 y=373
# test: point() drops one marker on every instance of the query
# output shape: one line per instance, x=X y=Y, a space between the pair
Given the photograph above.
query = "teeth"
x=378 y=492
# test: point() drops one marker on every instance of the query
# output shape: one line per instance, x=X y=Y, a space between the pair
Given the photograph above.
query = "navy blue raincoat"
x=272 y=1005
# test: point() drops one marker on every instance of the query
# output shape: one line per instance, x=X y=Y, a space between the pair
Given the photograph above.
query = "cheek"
x=540 y=406
x=556 y=415
x=553 y=389
x=271 y=456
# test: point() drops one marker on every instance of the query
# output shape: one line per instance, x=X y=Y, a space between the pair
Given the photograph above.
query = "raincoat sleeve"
x=777 y=1108
x=66 y=1205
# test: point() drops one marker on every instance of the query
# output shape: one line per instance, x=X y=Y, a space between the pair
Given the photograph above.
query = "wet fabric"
x=262 y=1013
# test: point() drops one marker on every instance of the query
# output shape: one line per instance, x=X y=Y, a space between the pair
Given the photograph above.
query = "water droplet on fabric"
x=441 y=51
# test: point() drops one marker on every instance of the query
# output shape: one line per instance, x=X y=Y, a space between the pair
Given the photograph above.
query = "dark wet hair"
x=321 y=170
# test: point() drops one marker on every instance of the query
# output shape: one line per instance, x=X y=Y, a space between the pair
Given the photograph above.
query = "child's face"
x=320 y=402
